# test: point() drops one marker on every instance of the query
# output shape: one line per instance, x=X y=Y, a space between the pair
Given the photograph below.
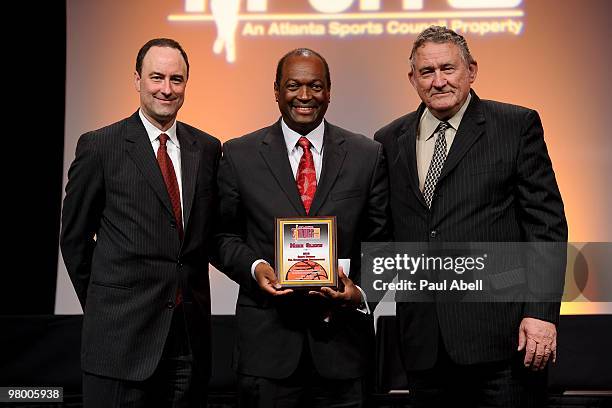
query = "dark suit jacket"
x=126 y=277
x=497 y=185
x=256 y=185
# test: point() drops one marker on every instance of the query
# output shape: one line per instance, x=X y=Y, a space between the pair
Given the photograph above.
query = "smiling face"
x=161 y=85
x=442 y=78
x=302 y=93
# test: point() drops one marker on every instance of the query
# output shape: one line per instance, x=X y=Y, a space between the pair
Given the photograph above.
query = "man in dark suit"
x=300 y=349
x=136 y=227
x=463 y=169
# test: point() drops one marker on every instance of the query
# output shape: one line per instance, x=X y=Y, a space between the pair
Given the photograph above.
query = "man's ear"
x=276 y=91
x=411 y=78
x=473 y=68
x=137 y=81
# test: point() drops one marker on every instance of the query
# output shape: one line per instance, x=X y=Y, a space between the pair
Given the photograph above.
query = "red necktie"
x=165 y=164
x=306 y=175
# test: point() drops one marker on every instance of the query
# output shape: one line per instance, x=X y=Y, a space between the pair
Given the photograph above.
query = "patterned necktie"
x=167 y=169
x=437 y=162
x=306 y=176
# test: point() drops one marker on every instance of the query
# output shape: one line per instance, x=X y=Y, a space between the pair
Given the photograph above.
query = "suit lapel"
x=140 y=150
x=190 y=161
x=333 y=158
x=470 y=130
x=274 y=152
x=407 y=149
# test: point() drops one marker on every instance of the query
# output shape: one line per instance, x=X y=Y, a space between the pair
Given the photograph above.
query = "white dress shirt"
x=295 y=151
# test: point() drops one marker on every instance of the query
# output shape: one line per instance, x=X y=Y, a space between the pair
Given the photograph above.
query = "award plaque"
x=306 y=252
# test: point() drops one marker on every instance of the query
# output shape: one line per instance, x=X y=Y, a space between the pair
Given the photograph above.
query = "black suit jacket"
x=122 y=250
x=497 y=185
x=256 y=185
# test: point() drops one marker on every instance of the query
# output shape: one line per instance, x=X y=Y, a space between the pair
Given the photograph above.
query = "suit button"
x=179 y=265
x=433 y=234
x=170 y=305
x=173 y=224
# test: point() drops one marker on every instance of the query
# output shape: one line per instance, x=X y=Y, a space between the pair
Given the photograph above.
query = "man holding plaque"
x=301 y=347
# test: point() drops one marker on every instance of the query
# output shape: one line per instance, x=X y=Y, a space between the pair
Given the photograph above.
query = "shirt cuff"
x=363 y=306
x=254 y=265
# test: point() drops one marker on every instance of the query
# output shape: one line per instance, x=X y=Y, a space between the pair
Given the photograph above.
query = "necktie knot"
x=304 y=143
x=163 y=139
x=442 y=127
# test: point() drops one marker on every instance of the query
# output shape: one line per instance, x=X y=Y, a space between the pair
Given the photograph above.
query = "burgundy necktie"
x=306 y=175
x=167 y=169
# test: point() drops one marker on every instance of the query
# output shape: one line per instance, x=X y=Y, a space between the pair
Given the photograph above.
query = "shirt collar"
x=429 y=123
x=315 y=137
x=153 y=132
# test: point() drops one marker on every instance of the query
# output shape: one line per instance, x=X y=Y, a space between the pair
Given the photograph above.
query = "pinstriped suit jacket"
x=497 y=185
x=126 y=276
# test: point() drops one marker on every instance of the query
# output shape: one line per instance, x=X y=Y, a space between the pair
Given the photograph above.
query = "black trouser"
x=305 y=388
x=174 y=383
x=505 y=384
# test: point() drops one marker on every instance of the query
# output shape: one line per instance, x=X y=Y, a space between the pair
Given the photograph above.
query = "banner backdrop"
x=552 y=56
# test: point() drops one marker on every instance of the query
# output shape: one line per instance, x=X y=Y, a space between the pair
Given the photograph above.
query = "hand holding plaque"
x=306 y=252
x=267 y=280
x=347 y=293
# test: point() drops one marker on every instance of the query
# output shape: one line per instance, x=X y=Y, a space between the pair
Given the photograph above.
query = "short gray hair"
x=441 y=35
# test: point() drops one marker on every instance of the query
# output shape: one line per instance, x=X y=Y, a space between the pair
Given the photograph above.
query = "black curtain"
x=32 y=148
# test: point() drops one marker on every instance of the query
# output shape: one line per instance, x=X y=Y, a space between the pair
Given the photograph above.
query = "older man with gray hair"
x=464 y=169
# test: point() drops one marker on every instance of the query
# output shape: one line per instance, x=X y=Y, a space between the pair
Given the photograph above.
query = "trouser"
x=174 y=383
